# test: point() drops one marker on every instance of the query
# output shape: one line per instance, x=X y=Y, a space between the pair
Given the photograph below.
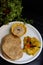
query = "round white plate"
x=32 y=32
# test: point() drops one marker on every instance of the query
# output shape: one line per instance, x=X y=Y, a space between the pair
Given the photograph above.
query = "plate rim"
x=35 y=56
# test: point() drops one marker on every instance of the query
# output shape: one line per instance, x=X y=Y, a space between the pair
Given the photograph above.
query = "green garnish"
x=11 y=10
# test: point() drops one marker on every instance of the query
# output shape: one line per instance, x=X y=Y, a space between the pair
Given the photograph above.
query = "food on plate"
x=7 y=57
x=18 y=29
x=35 y=42
x=11 y=46
x=31 y=45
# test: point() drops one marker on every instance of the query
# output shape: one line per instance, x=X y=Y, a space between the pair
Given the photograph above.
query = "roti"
x=11 y=46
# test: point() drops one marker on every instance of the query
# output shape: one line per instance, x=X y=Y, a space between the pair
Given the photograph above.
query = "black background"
x=32 y=10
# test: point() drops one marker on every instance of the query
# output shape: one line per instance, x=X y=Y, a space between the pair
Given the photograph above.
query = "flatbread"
x=11 y=46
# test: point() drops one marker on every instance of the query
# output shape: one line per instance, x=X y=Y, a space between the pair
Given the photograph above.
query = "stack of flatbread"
x=11 y=47
x=11 y=43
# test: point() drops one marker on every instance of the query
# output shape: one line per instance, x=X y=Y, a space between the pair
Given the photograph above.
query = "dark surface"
x=32 y=10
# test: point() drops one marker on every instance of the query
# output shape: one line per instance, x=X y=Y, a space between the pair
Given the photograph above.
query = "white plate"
x=32 y=32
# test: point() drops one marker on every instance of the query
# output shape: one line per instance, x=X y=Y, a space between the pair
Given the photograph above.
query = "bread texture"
x=11 y=46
